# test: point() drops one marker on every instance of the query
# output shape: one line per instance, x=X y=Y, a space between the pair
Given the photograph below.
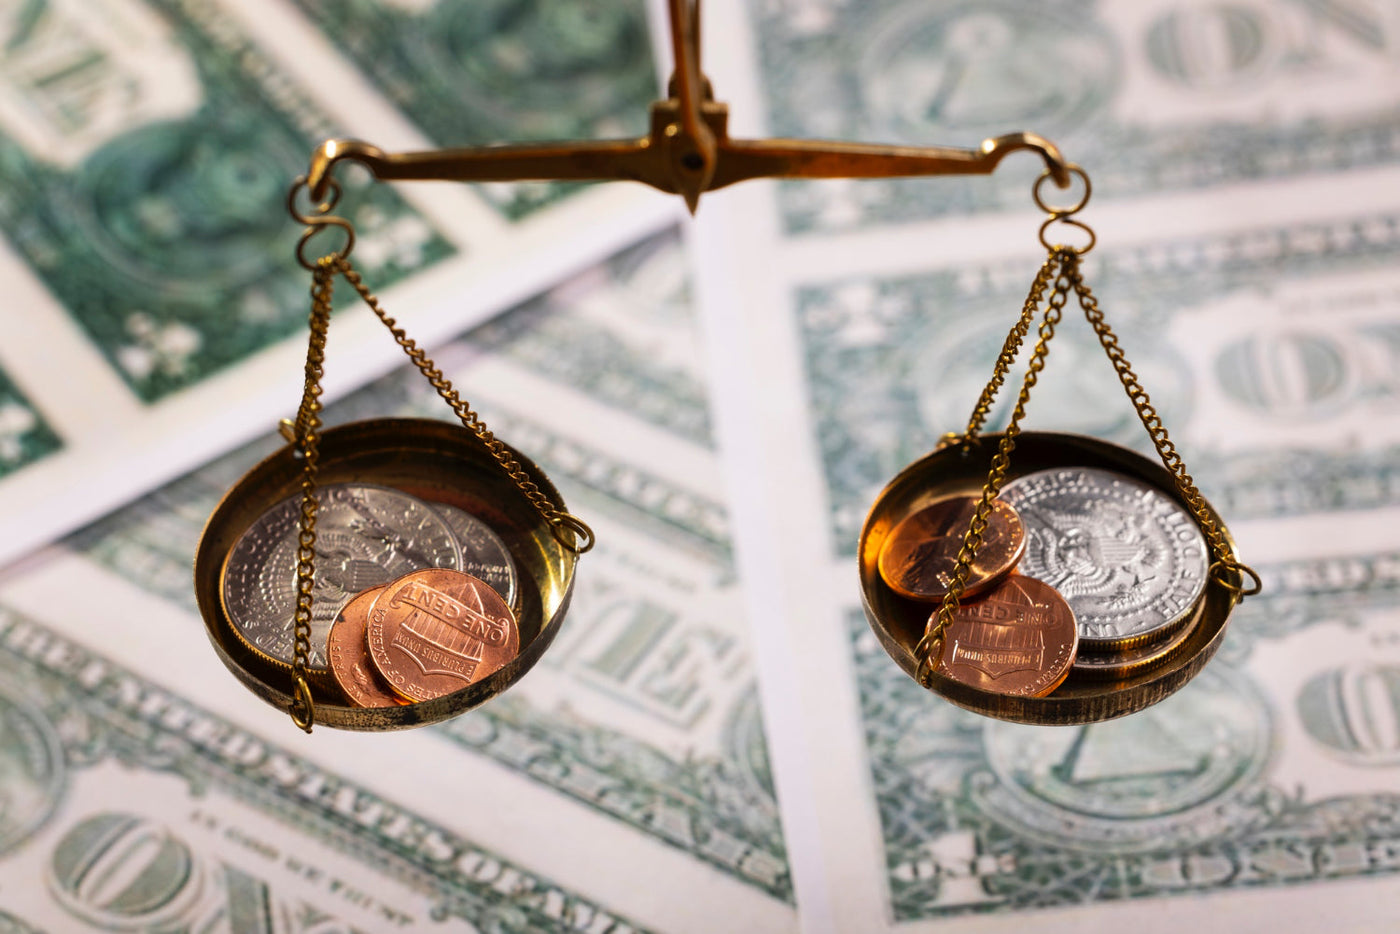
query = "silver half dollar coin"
x=1130 y=560
x=484 y=555
x=366 y=536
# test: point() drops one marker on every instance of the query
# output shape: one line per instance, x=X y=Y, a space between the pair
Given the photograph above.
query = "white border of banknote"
x=200 y=818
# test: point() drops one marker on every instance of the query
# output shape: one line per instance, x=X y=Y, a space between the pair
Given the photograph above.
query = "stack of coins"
x=374 y=545
x=1082 y=572
x=1130 y=560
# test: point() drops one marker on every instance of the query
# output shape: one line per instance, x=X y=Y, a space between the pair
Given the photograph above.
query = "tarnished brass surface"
x=962 y=469
x=431 y=460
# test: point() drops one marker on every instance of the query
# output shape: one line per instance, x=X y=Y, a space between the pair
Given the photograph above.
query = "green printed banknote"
x=124 y=807
x=1276 y=767
x=627 y=338
x=24 y=435
x=146 y=148
x=494 y=71
x=645 y=709
x=1149 y=95
x=1270 y=355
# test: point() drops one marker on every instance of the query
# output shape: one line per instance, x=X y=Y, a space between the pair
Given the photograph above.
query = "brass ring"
x=580 y=530
x=1093 y=237
x=927 y=662
x=320 y=225
x=1057 y=211
x=320 y=219
x=322 y=209
x=1219 y=568
x=302 y=708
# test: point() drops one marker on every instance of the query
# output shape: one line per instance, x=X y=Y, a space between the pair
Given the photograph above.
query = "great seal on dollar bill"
x=1130 y=560
x=366 y=536
x=1170 y=778
x=32 y=771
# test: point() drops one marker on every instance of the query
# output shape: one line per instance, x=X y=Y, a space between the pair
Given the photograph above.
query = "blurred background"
x=716 y=740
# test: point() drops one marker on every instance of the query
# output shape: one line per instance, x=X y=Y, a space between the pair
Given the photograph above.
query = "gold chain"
x=1012 y=346
x=306 y=438
x=1063 y=265
x=580 y=536
x=304 y=433
x=1225 y=568
x=931 y=645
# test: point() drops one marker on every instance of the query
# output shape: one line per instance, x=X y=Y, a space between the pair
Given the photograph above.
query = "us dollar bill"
x=1269 y=355
x=503 y=71
x=1155 y=96
x=622 y=333
x=127 y=807
x=9 y=924
x=25 y=436
x=645 y=708
x=146 y=148
x=1273 y=768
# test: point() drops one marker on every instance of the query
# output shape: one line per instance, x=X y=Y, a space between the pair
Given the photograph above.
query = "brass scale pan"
x=431 y=460
x=439 y=461
x=961 y=469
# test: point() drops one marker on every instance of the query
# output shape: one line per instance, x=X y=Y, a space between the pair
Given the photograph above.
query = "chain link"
x=306 y=432
x=930 y=646
x=1062 y=265
x=1012 y=346
x=579 y=535
x=1224 y=563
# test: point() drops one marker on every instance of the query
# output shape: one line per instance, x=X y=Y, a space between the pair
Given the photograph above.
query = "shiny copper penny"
x=918 y=558
x=347 y=650
x=1019 y=638
x=435 y=631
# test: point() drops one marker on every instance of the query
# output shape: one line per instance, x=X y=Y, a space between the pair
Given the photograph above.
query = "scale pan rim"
x=431 y=459
x=961 y=468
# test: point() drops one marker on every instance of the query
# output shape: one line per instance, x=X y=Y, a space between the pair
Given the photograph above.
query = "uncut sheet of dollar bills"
x=716 y=741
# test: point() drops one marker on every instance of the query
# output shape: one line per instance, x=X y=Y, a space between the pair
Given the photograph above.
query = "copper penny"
x=1019 y=639
x=348 y=652
x=918 y=558
x=435 y=631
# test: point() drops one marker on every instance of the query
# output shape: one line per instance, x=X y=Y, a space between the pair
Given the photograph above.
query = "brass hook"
x=581 y=539
x=302 y=707
x=1220 y=569
x=325 y=156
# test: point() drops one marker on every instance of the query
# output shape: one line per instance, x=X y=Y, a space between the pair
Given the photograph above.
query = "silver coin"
x=484 y=555
x=366 y=536
x=1130 y=561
